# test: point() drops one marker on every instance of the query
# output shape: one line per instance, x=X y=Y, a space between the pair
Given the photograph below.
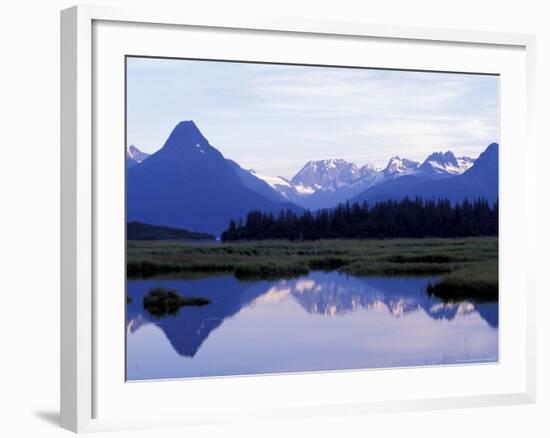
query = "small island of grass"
x=160 y=301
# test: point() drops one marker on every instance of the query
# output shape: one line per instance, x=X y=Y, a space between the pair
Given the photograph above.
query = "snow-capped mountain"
x=442 y=164
x=281 y=185
x=189 y=184
x=325 y=183
x=369 y=169
x=464 y=163
x=398 y=166
x=480 y=180
x=330 y=174
x=261 y=186
x=134 y=156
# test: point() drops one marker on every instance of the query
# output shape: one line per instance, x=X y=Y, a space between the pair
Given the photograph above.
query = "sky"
x=275 y=118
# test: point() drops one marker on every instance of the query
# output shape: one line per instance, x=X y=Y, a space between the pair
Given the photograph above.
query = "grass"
x=478 y=282
x=160 y=301
x=467 y=265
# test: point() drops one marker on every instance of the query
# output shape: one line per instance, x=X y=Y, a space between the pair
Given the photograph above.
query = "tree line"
x=385 y=219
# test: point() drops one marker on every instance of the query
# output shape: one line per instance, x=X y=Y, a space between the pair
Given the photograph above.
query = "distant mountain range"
x=480 y=180
x=189 y=184
x=325 y=183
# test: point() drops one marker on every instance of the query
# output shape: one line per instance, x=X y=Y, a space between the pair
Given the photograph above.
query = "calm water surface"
x=321 y=321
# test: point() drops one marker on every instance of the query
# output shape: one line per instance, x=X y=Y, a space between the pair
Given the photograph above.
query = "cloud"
x=275 y=117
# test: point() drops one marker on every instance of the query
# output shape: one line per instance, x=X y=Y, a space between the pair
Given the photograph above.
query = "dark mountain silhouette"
x=189 y=184
x=479 y=181
x=140 y=231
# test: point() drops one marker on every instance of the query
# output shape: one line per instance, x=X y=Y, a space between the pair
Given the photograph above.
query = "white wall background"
x=29 y=218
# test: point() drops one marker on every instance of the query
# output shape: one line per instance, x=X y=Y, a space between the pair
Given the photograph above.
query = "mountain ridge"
x=325 y=183
x=189 y=184
x=478 y=181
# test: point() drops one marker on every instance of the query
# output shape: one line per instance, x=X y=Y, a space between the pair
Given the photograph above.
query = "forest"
x=408 y=218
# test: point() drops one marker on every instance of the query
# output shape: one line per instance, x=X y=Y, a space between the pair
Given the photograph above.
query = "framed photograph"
x=281 y=218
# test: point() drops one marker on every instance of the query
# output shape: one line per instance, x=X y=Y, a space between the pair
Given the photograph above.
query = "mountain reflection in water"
x=320 y=305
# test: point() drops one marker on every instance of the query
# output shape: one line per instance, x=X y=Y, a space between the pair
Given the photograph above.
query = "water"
x=321 y=321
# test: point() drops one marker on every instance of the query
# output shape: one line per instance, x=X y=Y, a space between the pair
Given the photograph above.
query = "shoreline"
x=467 y=266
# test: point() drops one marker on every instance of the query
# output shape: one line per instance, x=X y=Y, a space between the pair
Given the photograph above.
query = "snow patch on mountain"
x=398 y=166
x=464 y=163
x=273 y=181
x=443 y=164
x=134 y=156
x=325 y=183
x=303 y=190
x=330 y=174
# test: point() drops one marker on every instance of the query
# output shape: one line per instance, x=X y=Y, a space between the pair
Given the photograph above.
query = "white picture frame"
x=82 y=179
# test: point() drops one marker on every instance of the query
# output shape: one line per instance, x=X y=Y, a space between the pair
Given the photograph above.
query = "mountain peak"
x=487 y=162
x=325 y=174
x=190 y=124
x=134 y=156
x=442 y=164
x=369 y=169
x=186 y=134
x=401 y=166
x=444 y=159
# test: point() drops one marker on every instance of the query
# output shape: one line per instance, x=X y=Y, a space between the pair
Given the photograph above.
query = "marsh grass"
x=467 y=264
x=478 y=282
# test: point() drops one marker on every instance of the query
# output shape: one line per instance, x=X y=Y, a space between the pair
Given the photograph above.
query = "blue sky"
x=274 y=118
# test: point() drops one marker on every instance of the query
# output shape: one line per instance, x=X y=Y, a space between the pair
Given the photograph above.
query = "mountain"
x=464 y=163
x=397 y=167
x=134 y=156
x=368 y=169
x=320 y=183
x=480 y=180
x=258 y=184
x=140 y=231
x=189 y=184
x=328 y=174
x=440 y=165
x=330 y=198
x=282 y=186
x=326 y=183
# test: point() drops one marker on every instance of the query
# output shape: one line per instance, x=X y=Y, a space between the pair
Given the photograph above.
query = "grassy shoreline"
x=468 y=266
